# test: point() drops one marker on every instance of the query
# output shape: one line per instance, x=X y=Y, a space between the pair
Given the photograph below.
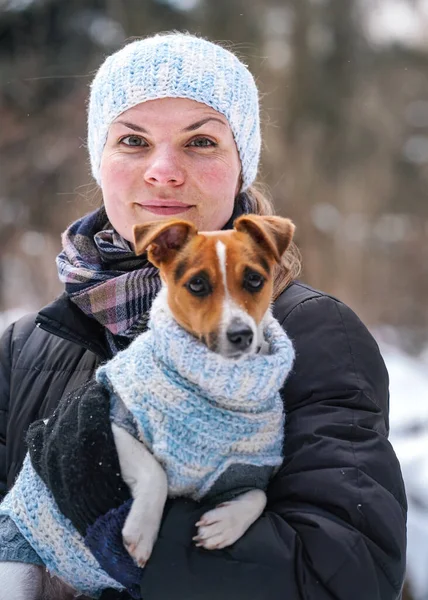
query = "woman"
x=173 y=129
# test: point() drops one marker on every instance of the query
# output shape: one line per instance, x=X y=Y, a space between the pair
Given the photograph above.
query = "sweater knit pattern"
x=198 y=412
x=61 y=548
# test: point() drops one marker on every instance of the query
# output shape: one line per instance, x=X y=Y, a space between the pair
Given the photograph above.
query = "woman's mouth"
x=166 y=208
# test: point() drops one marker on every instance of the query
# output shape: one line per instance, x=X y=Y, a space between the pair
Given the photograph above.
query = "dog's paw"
x=139 y=548
x=220 y=527
x=139 y=536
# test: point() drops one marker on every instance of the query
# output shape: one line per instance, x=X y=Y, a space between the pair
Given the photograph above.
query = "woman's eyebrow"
x=202 y=122
x=131 y=126
x=191 y=127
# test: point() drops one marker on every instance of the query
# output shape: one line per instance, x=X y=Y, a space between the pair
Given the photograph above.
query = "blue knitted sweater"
x=200 y=414
x=210 y=421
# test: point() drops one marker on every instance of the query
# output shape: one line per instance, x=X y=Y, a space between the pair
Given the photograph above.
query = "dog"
x=218 y=287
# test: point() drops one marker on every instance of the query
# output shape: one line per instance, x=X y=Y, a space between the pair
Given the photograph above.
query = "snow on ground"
x=409 y=436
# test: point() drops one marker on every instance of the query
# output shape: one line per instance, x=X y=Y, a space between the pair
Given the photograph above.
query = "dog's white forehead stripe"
x=231 y=311
x=221 y=253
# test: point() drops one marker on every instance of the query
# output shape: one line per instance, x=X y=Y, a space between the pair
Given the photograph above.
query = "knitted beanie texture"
x=176 y=65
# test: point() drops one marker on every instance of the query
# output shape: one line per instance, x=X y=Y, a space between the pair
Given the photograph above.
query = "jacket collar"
x=64 y=319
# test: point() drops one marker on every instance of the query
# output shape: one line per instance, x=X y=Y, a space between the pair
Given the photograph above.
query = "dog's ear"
x=162 y=240
x=274 y=234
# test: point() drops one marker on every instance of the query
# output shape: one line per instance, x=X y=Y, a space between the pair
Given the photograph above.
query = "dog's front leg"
x=148 y=484
x=226 y=523
x=20 y=581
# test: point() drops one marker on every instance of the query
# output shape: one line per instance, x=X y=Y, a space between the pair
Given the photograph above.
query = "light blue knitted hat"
x=176 y=65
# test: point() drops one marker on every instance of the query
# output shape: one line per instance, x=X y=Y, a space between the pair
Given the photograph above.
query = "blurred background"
x=344 y=86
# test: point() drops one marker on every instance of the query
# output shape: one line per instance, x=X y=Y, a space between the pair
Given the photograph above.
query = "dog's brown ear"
x=162 y=240
x=274 y=234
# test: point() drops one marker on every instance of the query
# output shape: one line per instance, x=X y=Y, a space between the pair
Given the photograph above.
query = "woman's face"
x=171 y=157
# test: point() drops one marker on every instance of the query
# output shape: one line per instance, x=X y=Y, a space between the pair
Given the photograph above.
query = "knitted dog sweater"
x=59 y=545
x=211 y=422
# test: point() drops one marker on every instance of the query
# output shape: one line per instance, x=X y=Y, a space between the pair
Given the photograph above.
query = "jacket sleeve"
x=334 y=528
x=5 y=368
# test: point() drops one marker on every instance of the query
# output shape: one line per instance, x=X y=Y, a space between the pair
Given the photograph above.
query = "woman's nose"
x=164 y=168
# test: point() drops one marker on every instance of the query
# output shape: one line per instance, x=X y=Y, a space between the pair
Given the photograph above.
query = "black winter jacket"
x=335 y=524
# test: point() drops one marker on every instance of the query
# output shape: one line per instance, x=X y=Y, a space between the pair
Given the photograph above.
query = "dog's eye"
x=253 y=282
x=199 y=286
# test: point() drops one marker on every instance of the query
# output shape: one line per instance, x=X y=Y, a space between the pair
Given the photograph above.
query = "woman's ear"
x=238 y=185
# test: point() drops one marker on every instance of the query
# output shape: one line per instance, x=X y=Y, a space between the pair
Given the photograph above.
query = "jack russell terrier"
x=195 y=403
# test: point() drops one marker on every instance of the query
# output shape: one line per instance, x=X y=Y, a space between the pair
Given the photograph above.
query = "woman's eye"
x=198 y=286
x=133 y=140
x=253 y=282
x=202 y=142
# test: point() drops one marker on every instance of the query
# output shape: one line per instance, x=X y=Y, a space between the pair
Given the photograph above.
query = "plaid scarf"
x=107 y=281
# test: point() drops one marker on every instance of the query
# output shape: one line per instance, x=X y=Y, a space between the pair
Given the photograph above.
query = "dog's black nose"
x=240 y=335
